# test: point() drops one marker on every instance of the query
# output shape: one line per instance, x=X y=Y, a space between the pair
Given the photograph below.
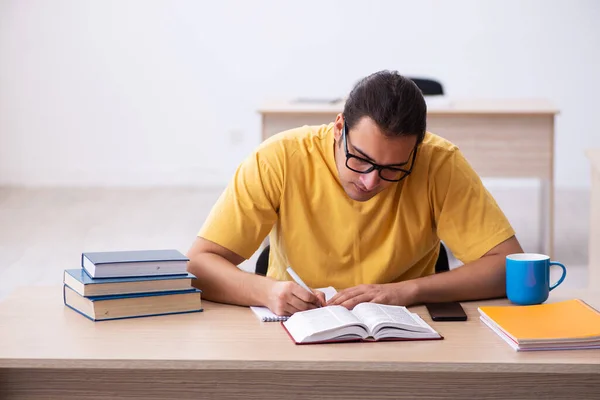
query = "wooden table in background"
x=50 y=351
x=594 y=245
x=500 y=138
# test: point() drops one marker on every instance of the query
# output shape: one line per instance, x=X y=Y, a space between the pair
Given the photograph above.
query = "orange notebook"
x=570 y=324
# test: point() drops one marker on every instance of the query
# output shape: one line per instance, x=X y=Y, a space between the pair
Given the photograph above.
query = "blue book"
x=82 y=283
x=119 y=264
x=103 y=308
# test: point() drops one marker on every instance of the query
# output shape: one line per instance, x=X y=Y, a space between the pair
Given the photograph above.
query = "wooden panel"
x=496 y=145
x=301 y=384
x=275 y=123
x=500 y=146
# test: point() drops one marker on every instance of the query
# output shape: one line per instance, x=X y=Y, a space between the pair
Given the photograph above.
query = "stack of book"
x=128 y=284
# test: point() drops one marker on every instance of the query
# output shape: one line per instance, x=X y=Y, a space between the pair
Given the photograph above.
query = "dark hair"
x=393 y=101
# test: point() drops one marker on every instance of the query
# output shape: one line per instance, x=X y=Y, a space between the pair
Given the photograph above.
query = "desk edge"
x=563 y=368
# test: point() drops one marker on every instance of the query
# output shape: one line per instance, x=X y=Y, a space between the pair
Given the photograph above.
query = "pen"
x=296 y=278
x=299 y=281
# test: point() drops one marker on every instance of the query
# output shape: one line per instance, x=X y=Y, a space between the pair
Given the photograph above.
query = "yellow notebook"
x=570 y=324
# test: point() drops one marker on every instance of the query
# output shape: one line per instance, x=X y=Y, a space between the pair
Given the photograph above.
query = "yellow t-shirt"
x=289 y=187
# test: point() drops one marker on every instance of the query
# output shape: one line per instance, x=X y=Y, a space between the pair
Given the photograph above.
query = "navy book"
x=101 y=308
x=134 y=263
x=82 y=283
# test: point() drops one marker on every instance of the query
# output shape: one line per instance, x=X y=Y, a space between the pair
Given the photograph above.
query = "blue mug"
x=528 y=278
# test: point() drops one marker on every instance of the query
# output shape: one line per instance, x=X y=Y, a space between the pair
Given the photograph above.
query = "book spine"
x=81 y=313
x=197 y=310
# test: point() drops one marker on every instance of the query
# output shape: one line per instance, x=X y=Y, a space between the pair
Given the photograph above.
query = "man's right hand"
x=287 y=298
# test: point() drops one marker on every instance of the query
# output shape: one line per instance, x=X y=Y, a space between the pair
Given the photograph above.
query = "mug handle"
x=564 y=274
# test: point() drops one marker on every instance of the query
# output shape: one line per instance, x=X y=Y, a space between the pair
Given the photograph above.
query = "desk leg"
x=551 y=219
x=594 y=240
x=547 y=217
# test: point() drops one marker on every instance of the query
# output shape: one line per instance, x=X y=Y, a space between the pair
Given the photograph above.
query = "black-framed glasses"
x=386 y=172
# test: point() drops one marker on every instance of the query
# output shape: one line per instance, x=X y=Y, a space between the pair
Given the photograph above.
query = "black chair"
x=429 y=87
x=262 y=264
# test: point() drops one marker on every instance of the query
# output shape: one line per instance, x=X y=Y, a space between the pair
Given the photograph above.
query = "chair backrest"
x=429 y=87
x=442 y=264
x=262 y=264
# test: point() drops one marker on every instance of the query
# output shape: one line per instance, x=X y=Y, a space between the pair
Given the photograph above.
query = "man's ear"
x=338 y=125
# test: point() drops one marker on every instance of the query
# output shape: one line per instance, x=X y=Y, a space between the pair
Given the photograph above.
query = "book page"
x=329 y=292
x=321 y=322
x=327 y=318
x=376 y=315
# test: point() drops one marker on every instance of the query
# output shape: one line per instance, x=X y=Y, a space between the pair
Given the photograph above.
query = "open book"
x=366 y=322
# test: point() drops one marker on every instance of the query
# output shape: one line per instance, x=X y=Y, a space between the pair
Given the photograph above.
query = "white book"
x=366 y=322
x=134 y=263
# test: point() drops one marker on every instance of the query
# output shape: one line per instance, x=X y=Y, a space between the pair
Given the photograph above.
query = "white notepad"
x=266 y=315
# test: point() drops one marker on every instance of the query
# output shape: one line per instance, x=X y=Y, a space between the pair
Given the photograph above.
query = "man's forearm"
x=481 y=279
x=222 y=281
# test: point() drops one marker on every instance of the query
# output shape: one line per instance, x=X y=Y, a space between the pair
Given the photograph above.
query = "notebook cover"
x=133 y=256
x=333 y=341
x=565 y=319
x=80 y=275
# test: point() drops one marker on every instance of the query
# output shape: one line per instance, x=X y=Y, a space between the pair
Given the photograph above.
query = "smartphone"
x=451 y=311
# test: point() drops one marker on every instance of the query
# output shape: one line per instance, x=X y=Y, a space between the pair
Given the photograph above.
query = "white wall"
x=166 y=92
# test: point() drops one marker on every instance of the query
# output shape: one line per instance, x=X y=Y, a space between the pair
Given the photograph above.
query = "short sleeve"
x=467 y=218
x=246 y=211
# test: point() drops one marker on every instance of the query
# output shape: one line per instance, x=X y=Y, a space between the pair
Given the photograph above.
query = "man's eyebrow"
x=370 y=159
x=363 y=153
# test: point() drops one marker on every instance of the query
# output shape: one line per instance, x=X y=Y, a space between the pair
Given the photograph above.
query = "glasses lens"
x=392 y=174
x=358 y=165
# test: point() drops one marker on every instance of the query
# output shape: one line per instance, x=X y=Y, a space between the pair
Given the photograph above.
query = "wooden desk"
x=594 y=246
x=48 y=350
x=501 y=139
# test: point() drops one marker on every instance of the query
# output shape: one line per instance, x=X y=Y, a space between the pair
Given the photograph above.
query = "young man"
x=360 y=204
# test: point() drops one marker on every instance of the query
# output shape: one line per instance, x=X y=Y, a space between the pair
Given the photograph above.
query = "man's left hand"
x=399 y=294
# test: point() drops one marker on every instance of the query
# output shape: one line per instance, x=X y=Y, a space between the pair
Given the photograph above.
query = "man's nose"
x=370 y=180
